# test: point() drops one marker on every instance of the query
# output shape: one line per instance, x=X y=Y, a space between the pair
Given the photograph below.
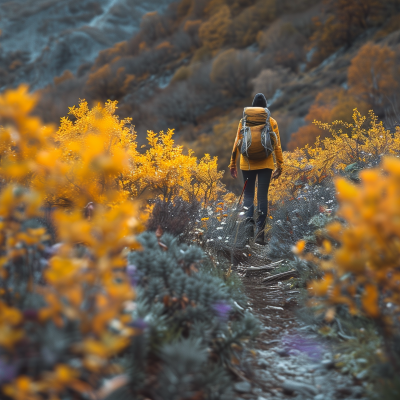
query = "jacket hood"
x=259 y=101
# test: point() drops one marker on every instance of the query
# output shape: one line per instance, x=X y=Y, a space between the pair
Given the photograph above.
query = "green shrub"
x=192 y=329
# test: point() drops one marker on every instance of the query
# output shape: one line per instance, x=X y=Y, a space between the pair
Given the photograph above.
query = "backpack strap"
x=269 y=129
x=268 y=120
x=244 y=119
x=246 y=141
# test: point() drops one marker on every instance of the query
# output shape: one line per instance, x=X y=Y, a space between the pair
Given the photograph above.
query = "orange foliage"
x=214 y=32
x=372 y=74
x=67 y=75
x=368 y=257
x=309 y=133
x=166 y=172
x=192 y=26
x=348 y=143
x=330 y=105
x=107 y=83
x=110 y=149
x=83 y=289
x=344 y=22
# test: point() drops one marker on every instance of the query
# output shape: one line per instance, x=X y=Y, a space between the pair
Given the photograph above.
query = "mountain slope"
x=195 y=66
x=48 y=37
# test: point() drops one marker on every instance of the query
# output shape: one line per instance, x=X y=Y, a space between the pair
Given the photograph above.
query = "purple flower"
x=133 y=275
x=139 y=323
x=7 y=372
x=305 y=345
x=222 y=310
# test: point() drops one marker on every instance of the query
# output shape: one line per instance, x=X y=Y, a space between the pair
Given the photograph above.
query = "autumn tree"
x=232 y=71
x=268 y=81
x=372 y=75
x=214 y=31
x=205 y=184
x=109 y=82
x=283 y=44
x=343 y=22
x=330 y=105
x=361 y=255
x=181 y=104
x=192 y=27
x=108 y=55
x=153 y=26
x=355 y=15
x=70 y=294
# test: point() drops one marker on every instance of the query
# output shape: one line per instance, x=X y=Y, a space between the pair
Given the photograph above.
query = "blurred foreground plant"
x=190 y=345
x=69 y=327
x=361 y=256
x=63 y=316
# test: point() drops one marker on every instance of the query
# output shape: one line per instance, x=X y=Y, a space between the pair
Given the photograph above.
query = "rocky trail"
x=291 y=361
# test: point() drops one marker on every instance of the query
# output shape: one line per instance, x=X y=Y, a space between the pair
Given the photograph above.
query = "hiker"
x=257 y=140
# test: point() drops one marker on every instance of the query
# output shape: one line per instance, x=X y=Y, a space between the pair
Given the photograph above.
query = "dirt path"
x=291 y=361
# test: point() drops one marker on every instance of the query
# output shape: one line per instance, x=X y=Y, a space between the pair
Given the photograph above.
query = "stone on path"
x=242 y=387
x=290 y=386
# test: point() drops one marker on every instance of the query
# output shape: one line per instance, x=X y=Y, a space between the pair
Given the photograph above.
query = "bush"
x=284 y=44
x=232 y=72
x=361 y=143
x=343 y=22
x=176 y=217
x=269 y=81
x=63 y=308
x=366 y=261
x=68 y=321
x=188 y=343
x=214 y=32
x=372 y=76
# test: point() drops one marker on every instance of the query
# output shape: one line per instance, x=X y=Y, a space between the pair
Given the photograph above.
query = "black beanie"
x=259 y=101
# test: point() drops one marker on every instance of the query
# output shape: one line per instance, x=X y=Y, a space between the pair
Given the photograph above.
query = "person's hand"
x=88 y=210
x=234 y=173
x=277 y=173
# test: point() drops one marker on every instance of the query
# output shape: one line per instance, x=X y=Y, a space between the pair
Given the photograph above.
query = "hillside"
x=194 y=66
x=43 y=38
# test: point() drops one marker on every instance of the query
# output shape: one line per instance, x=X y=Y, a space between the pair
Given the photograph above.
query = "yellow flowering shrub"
x=63 y=309
x=165 y=172
x=205 y=184
x=98 y=148
x=362 y=141
x=359 y=256
x=66 y=309
x=93 y=157
x=364 y=271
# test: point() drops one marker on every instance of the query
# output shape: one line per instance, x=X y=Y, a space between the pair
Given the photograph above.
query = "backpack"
x=255 y=135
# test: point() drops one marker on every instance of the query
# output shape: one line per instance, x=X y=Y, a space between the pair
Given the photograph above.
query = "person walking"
x=257 y=140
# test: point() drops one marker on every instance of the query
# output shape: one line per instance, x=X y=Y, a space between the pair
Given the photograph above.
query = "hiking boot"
x=260 y=237
x=249 y=228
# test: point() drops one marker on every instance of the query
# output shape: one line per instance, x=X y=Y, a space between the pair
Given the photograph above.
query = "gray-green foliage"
x=183 y=311
x=298 y=218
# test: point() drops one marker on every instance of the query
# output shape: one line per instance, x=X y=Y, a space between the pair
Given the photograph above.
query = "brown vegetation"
x=185 y=68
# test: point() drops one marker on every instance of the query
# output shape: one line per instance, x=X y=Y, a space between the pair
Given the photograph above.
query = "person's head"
x=259 y=101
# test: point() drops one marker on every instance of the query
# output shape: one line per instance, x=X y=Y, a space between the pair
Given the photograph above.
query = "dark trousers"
x=264 y=179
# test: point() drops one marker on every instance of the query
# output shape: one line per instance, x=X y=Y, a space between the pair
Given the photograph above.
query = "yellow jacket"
x=246 y=164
